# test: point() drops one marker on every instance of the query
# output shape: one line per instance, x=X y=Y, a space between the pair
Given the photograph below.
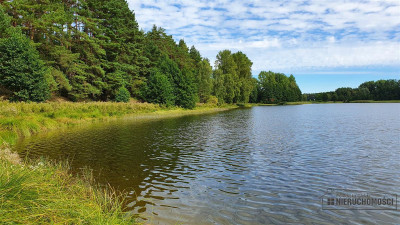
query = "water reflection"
x=249 y=166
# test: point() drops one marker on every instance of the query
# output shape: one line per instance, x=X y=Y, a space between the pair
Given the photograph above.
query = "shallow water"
x=247 y=166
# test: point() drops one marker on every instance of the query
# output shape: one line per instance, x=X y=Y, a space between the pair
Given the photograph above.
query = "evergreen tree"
x=185 y=91
x=123 y=43
x=93 y=48
x=159 y=89
x=195 y=55
x=21 y=70
x=182 y=82
x=122 y=95
x=5 y=23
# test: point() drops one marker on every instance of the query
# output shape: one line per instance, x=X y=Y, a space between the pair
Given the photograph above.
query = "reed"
x=42 y=192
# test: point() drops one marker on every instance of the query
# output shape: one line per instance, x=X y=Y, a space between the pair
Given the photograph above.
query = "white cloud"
x=282 y=35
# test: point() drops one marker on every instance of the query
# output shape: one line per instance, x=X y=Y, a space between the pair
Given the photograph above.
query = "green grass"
x=297 y=103
x=24 y=119
x=40 y=192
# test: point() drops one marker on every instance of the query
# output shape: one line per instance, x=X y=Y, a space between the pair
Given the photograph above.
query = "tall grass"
x=40 y=192
x=24 y=119
x=43 y=192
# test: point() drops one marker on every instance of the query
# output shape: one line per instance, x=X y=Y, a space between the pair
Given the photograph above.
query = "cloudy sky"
x=325 y=44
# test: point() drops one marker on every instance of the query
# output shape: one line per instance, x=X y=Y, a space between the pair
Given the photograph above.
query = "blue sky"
x=325 y=44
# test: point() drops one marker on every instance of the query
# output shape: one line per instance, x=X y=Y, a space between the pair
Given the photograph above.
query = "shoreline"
x=79 y=197
x=45 y=191
x=19 y=120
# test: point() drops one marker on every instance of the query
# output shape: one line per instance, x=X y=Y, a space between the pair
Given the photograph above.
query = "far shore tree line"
x=371 y=90
x=94 y=50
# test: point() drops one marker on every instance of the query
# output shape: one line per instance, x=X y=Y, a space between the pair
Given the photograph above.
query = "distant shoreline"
x=329 y=102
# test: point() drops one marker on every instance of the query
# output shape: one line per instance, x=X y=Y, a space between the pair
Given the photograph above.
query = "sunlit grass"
x=40 y=192
x=298 y=103
x=24 y=119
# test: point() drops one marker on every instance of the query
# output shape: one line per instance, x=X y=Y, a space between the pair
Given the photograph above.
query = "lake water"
x=261 y=165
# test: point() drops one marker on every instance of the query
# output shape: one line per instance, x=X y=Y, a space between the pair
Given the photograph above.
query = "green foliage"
x=21 y=70
x=219 y=89
x=212 y=100
x=372 y=90
x=245 y=81
x=61 y=83
x=5 y=23
x=94 y=47
x=233 y=80
x=226 y=76
x=122 y=95
x=380 y=90
x=277 y=87
x=159 y=89
x=195 y=55
x=256 y=88
x=181 y=81
x=185 y=92
x=204 y=81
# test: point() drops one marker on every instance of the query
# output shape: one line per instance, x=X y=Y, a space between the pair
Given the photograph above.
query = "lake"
x=261 y=165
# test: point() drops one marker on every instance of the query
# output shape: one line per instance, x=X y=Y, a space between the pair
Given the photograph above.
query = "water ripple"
x=253 y=166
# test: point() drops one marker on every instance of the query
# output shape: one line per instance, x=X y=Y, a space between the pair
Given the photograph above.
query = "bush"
x=212 y=100
x=123 y=95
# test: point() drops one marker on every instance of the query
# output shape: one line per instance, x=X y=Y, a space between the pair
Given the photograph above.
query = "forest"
x=93 y=50
x=371 y=90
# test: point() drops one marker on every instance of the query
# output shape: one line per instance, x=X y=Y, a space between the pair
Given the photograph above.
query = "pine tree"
x=21 y=70
x=5 y=23
x=122 y=95
x=159 y=89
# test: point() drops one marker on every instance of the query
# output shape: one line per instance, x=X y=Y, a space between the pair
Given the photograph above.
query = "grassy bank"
x=34 y=192
x=40 y=192
x=24 y=119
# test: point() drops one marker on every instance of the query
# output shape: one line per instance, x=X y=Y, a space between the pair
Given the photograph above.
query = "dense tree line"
x=275 y=88
x=94 y=50
x=371 y=90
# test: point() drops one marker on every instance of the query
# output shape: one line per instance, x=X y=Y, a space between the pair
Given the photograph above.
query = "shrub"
x=212 y=100
x=122 y=95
